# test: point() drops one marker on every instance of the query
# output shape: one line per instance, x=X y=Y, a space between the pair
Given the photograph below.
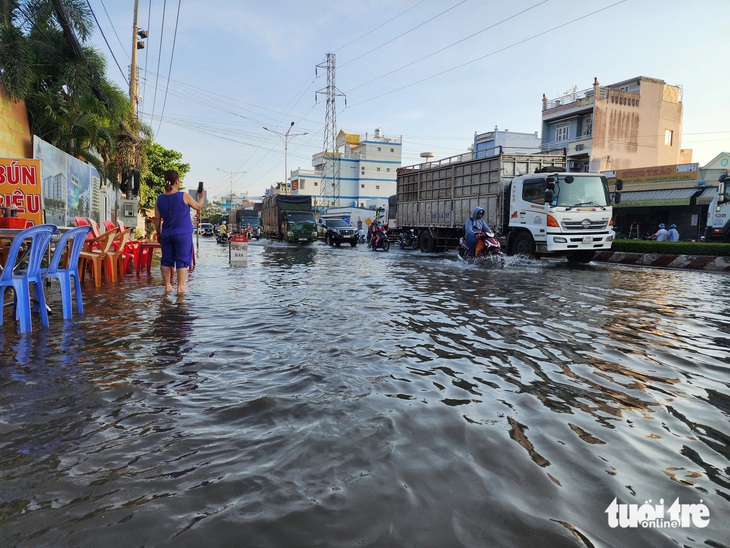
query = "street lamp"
x=285 y=137
x=231 y=174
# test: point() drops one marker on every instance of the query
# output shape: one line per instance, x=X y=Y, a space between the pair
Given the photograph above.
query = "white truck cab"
x=567 y=214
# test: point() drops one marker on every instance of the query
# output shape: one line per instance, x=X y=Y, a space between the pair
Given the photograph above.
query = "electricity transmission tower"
x=331 y=163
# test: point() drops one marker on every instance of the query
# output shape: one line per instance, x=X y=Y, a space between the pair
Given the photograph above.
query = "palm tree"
x=69 y=101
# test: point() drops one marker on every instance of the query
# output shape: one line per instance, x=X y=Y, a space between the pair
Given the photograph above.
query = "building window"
x=561 y=132
x=668 y=135
x=378 y=169
x=301 y=185
x=588 y=125
x=315 y=183
x=392 y=150
x=379 y=149
x=362 y=186
x=387 y=169
x=377 y=187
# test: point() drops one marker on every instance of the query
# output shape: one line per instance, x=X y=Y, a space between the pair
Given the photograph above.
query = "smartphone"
x=200 y=187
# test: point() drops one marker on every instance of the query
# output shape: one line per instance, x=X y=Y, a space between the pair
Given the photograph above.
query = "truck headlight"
x=609 y=238
x=560 y=240
x=289 y=233
x=314 y=235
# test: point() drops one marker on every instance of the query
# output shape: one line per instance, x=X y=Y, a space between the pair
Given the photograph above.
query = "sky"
x=431 y=73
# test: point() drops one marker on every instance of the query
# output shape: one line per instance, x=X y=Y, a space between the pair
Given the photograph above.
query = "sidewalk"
x=691 y=262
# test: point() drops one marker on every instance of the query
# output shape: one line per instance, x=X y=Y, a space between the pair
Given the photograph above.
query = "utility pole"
x=231 y=174
x=285 y=137
x=330 y=130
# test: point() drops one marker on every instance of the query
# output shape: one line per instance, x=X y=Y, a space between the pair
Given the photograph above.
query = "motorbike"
x=222 y=238
x=361 y=239
x=488 y=251
x=379 y=241
x=408 y=238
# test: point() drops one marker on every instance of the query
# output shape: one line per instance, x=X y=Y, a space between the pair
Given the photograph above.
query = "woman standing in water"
x=175 y=229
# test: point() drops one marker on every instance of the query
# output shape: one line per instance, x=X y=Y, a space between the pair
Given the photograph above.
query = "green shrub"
x=672 y=248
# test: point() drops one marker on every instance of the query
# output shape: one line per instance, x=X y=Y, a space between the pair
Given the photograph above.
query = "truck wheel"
x=426 y=242
x=523 y=244
x=353 y=244
x=582 y=256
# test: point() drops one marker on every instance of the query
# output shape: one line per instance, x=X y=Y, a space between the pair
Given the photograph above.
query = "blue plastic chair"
x=20 y=280
x=64 y=275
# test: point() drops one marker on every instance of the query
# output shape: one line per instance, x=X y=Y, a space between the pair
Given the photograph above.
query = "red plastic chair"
x=108 y=225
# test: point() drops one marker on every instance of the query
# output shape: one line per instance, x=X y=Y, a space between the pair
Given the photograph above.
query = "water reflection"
x=340 y=397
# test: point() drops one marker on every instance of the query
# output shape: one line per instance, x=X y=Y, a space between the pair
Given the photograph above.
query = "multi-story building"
x=360 y=173
x=634 y=123
x=492 y=142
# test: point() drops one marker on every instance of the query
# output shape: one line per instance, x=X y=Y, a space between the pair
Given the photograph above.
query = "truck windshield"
x=591 y=190
x=300 y=216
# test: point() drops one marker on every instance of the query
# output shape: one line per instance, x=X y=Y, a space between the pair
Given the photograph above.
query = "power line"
x=380 y=26
x=449 y=46
x=490 y=54
x=106 y=41
x=169 y=70
x=159 y=55
x=404 y=33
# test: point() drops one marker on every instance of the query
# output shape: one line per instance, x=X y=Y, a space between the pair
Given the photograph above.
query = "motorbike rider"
x=378 y=233
x=474 y=226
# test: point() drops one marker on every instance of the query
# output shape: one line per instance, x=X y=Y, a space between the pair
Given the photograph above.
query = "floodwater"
x=341 y=397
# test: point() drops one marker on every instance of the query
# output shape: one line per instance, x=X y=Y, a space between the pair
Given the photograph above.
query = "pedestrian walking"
x=175 y=229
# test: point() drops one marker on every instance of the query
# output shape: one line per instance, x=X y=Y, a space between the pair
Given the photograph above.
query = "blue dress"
x=176 y=237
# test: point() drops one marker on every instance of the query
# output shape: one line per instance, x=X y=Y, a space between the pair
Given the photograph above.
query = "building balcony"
x=573 y=147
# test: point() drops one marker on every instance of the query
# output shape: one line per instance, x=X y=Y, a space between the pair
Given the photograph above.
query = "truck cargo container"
x=289 y=218
x=535 y=206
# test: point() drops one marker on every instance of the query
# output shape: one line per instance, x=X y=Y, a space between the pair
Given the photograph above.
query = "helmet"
x=661 y=225
x=672 y=226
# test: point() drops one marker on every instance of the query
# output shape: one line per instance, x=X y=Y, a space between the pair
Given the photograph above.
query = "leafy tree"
x=159 y=159
x=70 y=102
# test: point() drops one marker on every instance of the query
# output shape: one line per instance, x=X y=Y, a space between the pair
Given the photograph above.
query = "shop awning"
x=669 y=197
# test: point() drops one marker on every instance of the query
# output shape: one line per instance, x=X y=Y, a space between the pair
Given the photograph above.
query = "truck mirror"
x=619 y=184
x=721 y=190
x=549 y=196
x=617 y=197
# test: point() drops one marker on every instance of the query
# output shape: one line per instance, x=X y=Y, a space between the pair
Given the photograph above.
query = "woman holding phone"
x=175 y=229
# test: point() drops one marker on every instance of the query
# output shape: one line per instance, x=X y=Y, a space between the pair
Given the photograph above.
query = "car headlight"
x=289 y=233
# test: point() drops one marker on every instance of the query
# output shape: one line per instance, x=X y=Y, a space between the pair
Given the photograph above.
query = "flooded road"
x=340 y=397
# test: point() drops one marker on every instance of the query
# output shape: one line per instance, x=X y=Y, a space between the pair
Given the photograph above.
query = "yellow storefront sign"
x=20 y=186
x=656 y=174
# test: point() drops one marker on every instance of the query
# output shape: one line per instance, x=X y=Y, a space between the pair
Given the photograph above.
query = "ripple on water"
x=338 y=397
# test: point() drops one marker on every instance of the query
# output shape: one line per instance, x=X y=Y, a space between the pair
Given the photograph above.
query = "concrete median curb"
x=690 y=262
